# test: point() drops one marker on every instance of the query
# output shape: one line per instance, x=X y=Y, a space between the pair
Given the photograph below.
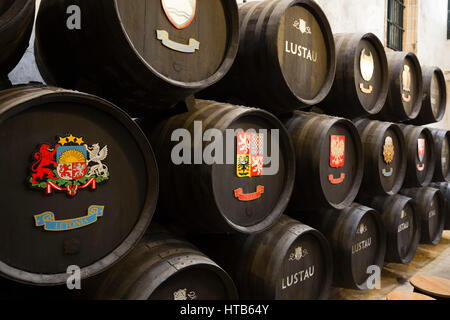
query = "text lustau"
x=297 y=277
x=300 y=51
x=361 y=245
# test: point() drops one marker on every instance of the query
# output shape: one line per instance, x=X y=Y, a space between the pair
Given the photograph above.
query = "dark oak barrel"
x=430 y=206
x=420 y=155
x=445 y=190
x=289 y=261
x=163 y=267
x=80 y=184
x=16 y=23
x=361 y=85
x=402 y=224
x=442 y=149
x=215 y=187
x=357 y=238
x=143 y=55
x=329 y=160
x=405 y=94
x=286 y=58
x=384 y=157
x=434 y=96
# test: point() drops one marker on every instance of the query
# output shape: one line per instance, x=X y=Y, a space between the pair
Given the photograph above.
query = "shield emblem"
x=366 y=65
x=250 y=154
x=388 y=150
x=406 y=78
x=71 y=161
x=180 y=12
x=337 y=151
x=421 y=149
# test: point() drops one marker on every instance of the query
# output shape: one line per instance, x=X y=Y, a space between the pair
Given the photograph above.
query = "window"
x=395 y=24
x=448 y=20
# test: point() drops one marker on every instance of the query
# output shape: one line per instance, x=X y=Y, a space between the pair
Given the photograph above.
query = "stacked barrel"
x=247 y=152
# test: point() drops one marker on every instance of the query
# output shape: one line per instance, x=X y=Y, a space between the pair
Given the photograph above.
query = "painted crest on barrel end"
x=388 y=155
x=337 y=151
x=180 y=12
x=406 y=83
x=421 y=153
x=249 y=162
x=337 y=157
x=69 y=166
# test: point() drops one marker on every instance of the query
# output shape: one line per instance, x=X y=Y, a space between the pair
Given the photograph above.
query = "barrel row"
x=209 y=50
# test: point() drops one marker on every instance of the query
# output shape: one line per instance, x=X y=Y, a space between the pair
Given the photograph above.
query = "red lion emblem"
x=44 y=157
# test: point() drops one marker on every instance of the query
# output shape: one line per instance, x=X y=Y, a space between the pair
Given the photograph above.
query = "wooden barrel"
x=420 y=156
x=81 y=184
x=163 y=267
x=360 y=87
x=442 y=149
x=405 y=93
x=434 y=96
x=16 y=23
x=430 y=206
x=295 y=64
x=357 y=238
x=290 y=261
x=143 y=55
x=402 y=224
x=231 y=185
x=445 y=190
x=384 y=157
x=329 y=161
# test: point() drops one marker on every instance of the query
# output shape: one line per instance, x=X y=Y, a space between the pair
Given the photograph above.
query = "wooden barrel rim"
x=290 y=170
x=441 y=134
x=402 y=202
x=206 y=264
x=231 y=9
x=412 y=134
x=50 y=94
x=443 y=93
x=381 y=244
x=375 y=41
x=442 y=215
x=415 y=109
x=354 y=134
x=434 y=286
x=285 y=247
x=395 y=128
x=324 y=24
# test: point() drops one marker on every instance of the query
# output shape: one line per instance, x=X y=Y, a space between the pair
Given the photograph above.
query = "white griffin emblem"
x=366 y=65
x=96 y=156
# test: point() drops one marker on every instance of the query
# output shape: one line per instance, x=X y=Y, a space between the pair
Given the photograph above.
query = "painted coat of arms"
x=337 y=157
x=69 y=166
x=337 y=151
x=250 y=154
x=180 y=12
x=421 y=153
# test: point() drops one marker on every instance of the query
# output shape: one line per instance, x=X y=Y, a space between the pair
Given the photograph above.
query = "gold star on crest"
x=71 y=138
x=62 y=141
x=79 y=141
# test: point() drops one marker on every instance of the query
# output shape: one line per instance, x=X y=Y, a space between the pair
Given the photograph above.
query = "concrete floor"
x=429 y=260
